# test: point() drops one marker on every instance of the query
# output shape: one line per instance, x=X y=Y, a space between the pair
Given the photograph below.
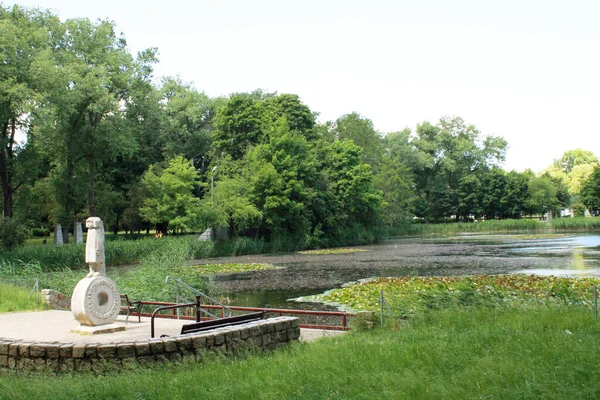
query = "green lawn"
x=14 y=298
x=461 y=353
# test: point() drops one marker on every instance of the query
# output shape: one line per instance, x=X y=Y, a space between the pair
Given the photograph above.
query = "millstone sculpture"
x=95 y=300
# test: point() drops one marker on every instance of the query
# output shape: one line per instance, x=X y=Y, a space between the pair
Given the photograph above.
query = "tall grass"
x=537 y=353
x=576 y=224
x=14 y=298
x=507 y=225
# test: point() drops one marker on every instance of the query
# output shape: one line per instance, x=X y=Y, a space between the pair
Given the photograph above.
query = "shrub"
x=12 y=234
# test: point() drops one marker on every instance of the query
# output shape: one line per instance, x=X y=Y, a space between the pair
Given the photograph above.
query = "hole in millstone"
x=102 y=298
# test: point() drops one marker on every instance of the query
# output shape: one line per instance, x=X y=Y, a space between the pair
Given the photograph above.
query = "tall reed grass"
x=507 y=225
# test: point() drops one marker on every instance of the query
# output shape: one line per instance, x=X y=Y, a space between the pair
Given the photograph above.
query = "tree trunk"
x=91 y=199
x=5 y=174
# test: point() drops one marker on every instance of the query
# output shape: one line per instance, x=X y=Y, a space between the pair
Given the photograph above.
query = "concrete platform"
x=58 y=326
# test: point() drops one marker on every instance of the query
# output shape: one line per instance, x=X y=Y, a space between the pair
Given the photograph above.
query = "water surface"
x=301 y=275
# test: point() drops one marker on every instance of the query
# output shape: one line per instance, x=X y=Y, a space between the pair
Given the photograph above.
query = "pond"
x=301 y=275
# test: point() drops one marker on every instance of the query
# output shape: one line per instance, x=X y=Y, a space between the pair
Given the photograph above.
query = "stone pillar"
x=78 y=233
x=58 y=235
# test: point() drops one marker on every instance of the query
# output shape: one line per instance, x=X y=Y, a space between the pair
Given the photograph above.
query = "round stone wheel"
x=96 y=301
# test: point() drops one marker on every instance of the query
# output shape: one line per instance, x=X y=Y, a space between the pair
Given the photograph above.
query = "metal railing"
x=196 y=305
x=178 y=284
x=277 y=311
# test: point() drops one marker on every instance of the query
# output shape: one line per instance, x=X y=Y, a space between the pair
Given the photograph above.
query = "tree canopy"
x=88 y=130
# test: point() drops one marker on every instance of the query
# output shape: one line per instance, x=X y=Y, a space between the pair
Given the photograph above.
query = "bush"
x=12 y=234
x=40 y=232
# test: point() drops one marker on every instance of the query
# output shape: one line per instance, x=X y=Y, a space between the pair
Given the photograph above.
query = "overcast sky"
x=524 y=70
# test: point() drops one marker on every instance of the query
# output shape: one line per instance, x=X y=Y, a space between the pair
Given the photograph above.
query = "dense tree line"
x=88 y=130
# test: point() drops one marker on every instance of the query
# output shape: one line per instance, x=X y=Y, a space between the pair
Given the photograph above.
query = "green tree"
x=189 y=122
x=88 y=78
x=542 y=196
x=395 y=179
x=590 y=194
x=515 y=195
x=447 y=152
x=355 y=200
x=283 y=171
x=469 y=197
x=573 y=169
x=25 y=39
x=361 y=131
x=170 y=203
x=239 y=125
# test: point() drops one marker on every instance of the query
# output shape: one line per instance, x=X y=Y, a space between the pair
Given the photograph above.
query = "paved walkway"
x=57 y=326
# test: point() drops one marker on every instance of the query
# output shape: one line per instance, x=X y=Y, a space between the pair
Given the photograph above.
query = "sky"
x=525 y=70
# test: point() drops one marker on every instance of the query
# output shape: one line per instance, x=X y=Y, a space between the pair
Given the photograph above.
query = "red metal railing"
x=279 y=311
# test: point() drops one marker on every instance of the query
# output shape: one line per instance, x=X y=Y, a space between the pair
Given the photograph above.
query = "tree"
x=232 y=199
x=449 y=151
x=573 y=169
x=189 y=122
x=283 y=170
x=542 y=196
x=395 y=179
x=298 y=116
x=469 y=197
x=24 y=40
x=239 y=125
x=515 y=195
x=88 y=78
x=590 y=194
x=170 y=203
x=355 y=200
x=361 y=131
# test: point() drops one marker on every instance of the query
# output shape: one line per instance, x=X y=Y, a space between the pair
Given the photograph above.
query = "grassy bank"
x=504 y=226
x=13 y=298
x=539 y=352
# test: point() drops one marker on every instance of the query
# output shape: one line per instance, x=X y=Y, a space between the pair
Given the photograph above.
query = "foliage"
x=573 y=169
x=448 y=152
x=395 y=179
x=12 y=234
x=410 y=295
x=171 y=203
x=590 y=194
x=229 y=268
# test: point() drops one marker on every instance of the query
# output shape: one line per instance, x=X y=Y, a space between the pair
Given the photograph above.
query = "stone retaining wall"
x=56 y=300
x=265 y=334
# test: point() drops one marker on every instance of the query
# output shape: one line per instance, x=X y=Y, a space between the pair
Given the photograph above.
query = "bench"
x=221 y=322
x=127 y=306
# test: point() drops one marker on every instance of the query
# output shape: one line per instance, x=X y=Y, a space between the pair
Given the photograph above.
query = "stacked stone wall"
x=28 y=356
x=56 y=300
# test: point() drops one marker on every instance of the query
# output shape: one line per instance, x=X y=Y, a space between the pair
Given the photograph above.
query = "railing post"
x=344 y=321
x=381 y=300
x=596 y=303
x=198 y=313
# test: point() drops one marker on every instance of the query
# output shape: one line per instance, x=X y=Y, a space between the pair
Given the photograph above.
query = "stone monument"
x=96 y=300
x=78 y=233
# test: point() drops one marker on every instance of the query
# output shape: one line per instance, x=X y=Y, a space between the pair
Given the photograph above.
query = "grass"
x=459 y=353
x=507 y=225
x=14 y=298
